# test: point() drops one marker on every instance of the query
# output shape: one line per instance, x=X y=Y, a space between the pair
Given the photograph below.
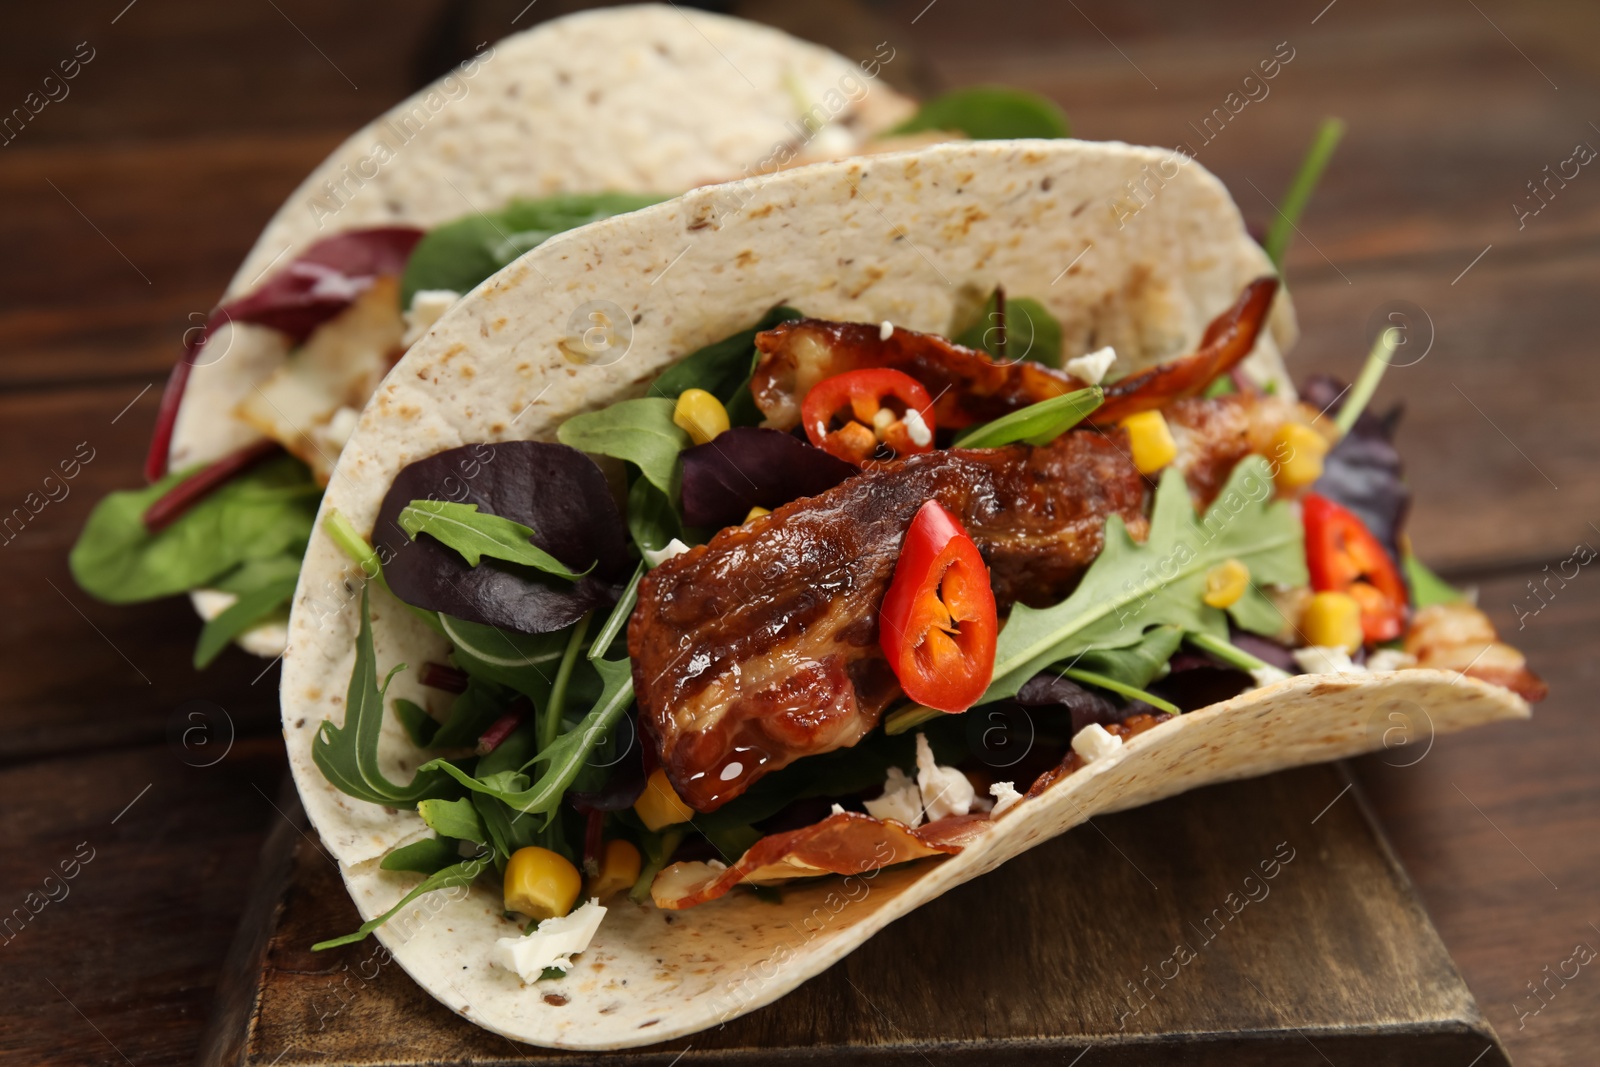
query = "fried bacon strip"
x=762 y=646
x=843 y=843
x=968 y=385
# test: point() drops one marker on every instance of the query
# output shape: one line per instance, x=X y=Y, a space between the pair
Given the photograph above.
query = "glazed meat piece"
x=970 y=387
x=1214 y=433
x=762 y=646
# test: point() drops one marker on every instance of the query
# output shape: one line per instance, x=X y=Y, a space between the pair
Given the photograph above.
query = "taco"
x=576 y=120
x=923 y=507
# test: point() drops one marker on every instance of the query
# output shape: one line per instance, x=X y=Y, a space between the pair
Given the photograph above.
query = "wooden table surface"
x=130 y=198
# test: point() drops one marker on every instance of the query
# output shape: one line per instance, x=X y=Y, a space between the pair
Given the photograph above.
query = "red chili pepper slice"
x=1344 y=557
x=857 y=400
x=938 y=623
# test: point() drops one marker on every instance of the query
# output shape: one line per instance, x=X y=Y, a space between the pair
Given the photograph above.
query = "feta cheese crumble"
x=1268 y=674
x=886 y=330
x=1005 y=796
x=1326 y=659
x=655 y=557
x=917 y=429
x=1390 y=659
x=552 y=944
x=1092 y=367
x=901 y=800
x=945 y=790
x=1094 y=741
x=427 y=306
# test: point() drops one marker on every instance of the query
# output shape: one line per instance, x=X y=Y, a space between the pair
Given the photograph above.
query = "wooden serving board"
x=1256 y=922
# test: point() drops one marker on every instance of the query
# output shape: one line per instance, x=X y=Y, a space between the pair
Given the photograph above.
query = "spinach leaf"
x=1036 y=424
x=453 y=877
x=247 y=611
x=723 y=367
x=258 y=574
x=524 y=662
x=348 y=755
x=652 y=521
x=460 y=254
x=264 y=513
x=988 y=113
x=427 y=856
x=453 y=818
x=640 y=431
x=1133 y=586
x=1135 y=665
x=475 y=534
x=1031 y=332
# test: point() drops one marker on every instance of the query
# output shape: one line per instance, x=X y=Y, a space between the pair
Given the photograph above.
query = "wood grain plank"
x=1062 y=950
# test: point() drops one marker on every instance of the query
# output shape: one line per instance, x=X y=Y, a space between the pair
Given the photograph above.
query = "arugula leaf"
x=640 y=431
x=1136 y=665
x=264 y=513
x=722 y=367
x=348 y=755
x=427 y=856
x=1036 y=424
x=1122 y=689
x=460 y=254
x=452 y=877
x=250 y=609
x=1427 y=588
x=475 y=534
x=618 y=619
x=989 y=112
x=565 y=758
x=1032 y=333
x=453 y=818
x=1132 y=586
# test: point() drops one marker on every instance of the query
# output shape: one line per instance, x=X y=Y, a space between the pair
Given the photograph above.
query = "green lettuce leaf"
x=1032 y=333
x=989 y=112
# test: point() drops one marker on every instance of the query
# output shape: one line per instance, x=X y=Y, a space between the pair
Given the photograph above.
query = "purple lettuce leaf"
x=748 y=467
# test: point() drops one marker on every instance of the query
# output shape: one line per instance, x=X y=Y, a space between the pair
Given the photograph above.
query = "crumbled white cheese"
x=341 y=426
x=886 y=330
x=1326 y=659
x=552 y=944
x=1094 y=741
x=427 y=306
x=655 y=557
x=1005 y=796
x=1092 y=367
x=917 y=429
x=832 y=141
x=1390 y=659
x=945 y=790
x=1268 y=674
x=901 y=801
x=882 y=419
x=837 y=809
x=264 y=639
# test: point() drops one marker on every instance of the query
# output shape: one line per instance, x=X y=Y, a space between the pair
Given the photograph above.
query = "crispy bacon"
x=762 y=646
x=970 y=387
x=843 y=843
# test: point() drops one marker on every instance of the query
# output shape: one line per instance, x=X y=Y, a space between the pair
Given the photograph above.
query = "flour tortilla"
x=642 y=99
x=906 y=237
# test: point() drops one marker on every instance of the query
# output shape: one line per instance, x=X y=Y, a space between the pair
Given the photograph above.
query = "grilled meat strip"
x=762 y=646
x=970 y=387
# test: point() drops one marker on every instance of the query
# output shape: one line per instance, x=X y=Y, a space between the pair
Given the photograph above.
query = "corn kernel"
x=658 y=805
x=700 y=415
x=1332 y=620
x=619 y=869
x=1298 y=451
x=1226 y=583
x=540 y=884
x=756 y=512
x=1150 y=441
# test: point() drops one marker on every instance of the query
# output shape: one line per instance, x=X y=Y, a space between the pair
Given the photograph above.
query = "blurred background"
x=130 y=198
